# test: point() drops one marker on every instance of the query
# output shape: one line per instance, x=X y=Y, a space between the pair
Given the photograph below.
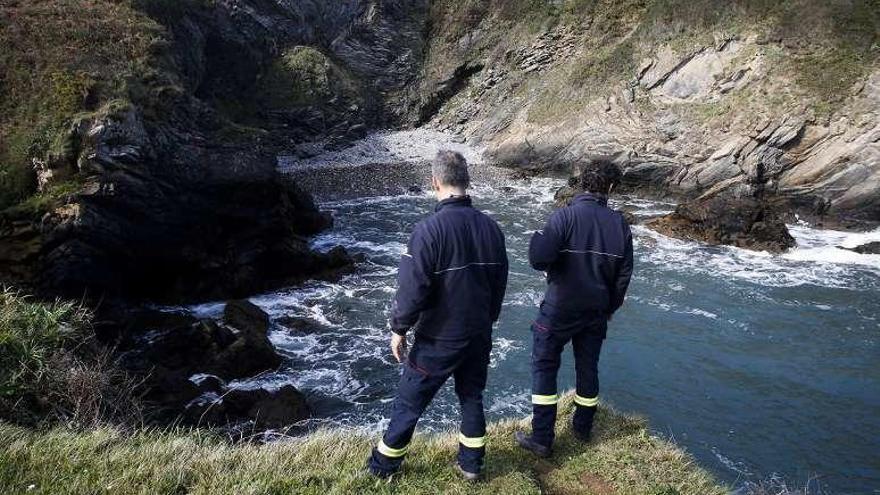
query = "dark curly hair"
x=599 y=176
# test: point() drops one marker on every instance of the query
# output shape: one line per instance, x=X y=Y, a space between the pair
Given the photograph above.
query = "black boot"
x=583 y=437
x=469 y=476
x=526 y=442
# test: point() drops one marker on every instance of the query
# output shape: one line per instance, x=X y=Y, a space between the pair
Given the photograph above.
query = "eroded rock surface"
x=178 y=197
x=688 y=120
x=742 y=222
x=869 y=248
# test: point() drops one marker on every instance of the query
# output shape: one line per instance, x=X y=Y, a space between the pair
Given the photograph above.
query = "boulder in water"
x=745 y=222
x=267 y=407
x=869 y=248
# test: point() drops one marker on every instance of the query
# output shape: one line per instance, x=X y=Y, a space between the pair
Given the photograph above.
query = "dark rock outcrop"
x=267 y=407
x=169 y=349
x=869 y=248
x=178 y=200
x=743 y=222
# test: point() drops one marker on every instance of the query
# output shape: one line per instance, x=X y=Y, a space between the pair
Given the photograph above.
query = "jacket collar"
x=591 y=197
x=454 y=201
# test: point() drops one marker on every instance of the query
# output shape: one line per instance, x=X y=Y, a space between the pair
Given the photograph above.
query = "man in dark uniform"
x=451 y=283
x=586 y=250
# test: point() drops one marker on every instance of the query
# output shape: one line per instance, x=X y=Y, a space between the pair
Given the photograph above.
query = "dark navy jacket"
x=587 y=251
x=453 y=276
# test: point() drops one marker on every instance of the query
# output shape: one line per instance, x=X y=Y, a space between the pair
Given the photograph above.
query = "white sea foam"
x=827 y=246
x=816 y=260
x=501 y=347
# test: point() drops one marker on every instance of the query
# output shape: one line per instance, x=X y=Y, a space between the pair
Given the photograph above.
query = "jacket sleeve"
x=624 y=271
x=500 y=283
x=545 y=244
x=414 y=282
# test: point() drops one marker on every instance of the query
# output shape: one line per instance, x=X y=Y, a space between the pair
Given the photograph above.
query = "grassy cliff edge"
x=623 y=458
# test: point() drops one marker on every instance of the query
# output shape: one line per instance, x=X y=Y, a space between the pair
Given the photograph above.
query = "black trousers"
x=551 y=331
x=429 y=365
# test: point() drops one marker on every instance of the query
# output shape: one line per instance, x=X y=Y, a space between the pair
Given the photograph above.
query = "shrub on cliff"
x=60 y=58
x=52 y=370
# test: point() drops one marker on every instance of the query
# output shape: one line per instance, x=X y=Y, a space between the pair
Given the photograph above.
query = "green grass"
x=301 y=76
x=64 y=60
x=623 y=458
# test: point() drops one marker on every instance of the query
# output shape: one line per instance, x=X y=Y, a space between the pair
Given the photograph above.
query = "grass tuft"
x=52 y=370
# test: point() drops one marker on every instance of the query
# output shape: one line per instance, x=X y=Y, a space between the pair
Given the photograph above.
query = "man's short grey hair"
x=450 y=169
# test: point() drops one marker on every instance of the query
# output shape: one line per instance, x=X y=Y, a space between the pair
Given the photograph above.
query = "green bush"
x=30 y=334
x=51 y=369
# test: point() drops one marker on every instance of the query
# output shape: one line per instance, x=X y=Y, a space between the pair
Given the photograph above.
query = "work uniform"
x=587 y=252
x=451 y=283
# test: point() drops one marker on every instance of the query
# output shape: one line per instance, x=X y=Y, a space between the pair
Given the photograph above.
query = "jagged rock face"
x=186 y=365
x=688 y=122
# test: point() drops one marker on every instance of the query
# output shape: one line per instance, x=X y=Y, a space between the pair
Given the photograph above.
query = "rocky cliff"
x=692 y=98
x=139 y=136
x=145 y=167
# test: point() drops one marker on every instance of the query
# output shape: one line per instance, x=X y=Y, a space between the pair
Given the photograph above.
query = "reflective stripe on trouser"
x=419 y=383
x=548 y=344
x=472 y=442
x=391 y=452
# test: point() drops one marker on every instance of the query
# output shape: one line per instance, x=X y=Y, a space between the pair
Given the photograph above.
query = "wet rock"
x=268 y=407
x=207 y=383
x=743 y=222
x=246 y=317
x=869 y=248
x=297 y=324
x=182 y=357
x=630 y=217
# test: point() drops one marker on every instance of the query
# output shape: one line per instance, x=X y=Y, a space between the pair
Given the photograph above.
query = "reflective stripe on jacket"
x=453 y=276
x=587 y=251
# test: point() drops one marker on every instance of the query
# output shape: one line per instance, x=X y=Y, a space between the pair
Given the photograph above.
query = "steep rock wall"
x=691 y=99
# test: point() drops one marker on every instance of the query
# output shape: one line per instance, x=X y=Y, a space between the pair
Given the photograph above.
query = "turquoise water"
x=762 y=366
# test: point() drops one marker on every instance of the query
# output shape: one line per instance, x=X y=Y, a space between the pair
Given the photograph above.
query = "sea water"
x=763 y=366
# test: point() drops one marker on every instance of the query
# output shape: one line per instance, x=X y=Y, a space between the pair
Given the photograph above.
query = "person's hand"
x=398 y=347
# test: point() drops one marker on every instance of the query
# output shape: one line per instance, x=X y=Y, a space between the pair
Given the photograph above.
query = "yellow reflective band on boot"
x=472 y=442
x=585 y=401
x=545 y=400
x=389 y=452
